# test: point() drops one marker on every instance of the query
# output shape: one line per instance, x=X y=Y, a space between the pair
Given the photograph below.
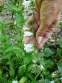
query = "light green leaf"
x=11 y=7
x=12 y=48
x=23 y=80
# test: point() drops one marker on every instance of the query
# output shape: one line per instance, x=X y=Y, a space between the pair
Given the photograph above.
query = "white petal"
x=61 y=78
x=25 y=28
x=41 y=67
x=28 y=45
x=53 y=74
x=27 y=33
x=52 y=81
x=29 y=50
x=14 y=81
x=26 y=3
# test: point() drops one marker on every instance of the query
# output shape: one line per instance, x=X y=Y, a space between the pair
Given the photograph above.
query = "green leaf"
x=30 y=75
x=28 y=58
x=47 y=52
x=12 y=72
x=11 y=7
x=0 y=74
x=59 y=51
x=2 y=28
x=11 y=67
x=21 y=70
x=49 y=64
x=60 y=23
x=59 y=42
x=47 y=81
x=8 y=22
x=46 y=73
x=23 y=80
x=30 y=67
x=59 y=66
x=12 y=48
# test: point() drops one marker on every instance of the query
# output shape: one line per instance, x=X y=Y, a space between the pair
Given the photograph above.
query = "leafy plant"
x=44 y=66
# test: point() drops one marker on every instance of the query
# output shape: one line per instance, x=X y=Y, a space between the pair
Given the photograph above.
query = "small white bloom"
x=14 y=22
x=52 y=81
x=28 y=47
x=25 y=28
x=14 y=81
x=41 y=67
x=61 y=78
x=17 y=4
x=29 y=50
x=27 y=33
x=34 y=61
x=34 y=65
x=26 y=3
x=53 y=74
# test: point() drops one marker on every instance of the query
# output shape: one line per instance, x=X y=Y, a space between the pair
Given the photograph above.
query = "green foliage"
x=60 y=66
x=15 y=63
x=60 y=23
x=21 y=70
x=60 y=42
x=23 y=80
x=47 y=52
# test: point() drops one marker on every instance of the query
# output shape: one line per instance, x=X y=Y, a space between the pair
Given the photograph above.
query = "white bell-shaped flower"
x=27 y=33
x=28 y=47
x=26 y=3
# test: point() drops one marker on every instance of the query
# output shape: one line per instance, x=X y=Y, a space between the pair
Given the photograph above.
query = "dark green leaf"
x=49 y=64
x=59 y=42
x=60 y=23
x=47 y=52
x=59 y=66
x=21 y=70
x=59 y=51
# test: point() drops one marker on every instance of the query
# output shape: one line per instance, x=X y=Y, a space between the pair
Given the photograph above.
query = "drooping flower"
x=29 y=50
x=27 y=33
x=14 y=81
x=28 y=47
x=52 y=81
x=26 y=3
x=25 y=28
